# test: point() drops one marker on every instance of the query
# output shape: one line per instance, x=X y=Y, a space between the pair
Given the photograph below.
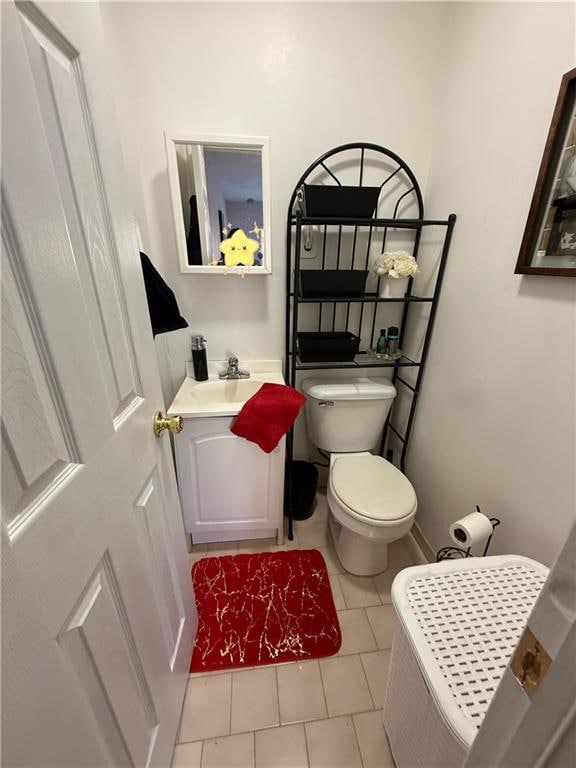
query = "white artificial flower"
x=383 y=263
x=404 y=264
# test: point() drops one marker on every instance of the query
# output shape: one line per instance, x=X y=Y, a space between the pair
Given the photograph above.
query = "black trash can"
x=304 y=484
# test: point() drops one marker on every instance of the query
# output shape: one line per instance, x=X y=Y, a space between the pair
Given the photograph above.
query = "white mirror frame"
x=257 y=142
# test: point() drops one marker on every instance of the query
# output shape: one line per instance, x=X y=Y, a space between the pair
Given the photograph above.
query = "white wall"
x=311 y=77
x=495 y=424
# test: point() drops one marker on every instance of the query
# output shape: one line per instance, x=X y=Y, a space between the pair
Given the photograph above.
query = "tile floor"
x=313 y=714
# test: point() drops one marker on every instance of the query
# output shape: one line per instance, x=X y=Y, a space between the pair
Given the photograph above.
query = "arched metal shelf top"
x=320 y=163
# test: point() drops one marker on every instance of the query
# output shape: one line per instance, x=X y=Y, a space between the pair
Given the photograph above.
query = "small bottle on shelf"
x=381 y=344
x=392 y=341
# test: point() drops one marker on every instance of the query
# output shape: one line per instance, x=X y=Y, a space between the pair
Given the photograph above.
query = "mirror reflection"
x=220 y=191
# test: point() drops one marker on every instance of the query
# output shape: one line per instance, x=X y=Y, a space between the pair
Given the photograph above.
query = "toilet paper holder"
x=453 y=553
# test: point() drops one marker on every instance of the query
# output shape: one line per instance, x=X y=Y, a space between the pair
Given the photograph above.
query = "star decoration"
x=256 y=231
x=239 y=249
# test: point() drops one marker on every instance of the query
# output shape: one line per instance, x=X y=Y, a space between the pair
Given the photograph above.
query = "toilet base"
x=358 y=554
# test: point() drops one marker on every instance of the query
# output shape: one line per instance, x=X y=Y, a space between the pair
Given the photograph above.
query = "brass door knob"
x=173 y=424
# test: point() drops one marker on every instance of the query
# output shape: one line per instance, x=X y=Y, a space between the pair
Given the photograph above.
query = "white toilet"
x=371 y=502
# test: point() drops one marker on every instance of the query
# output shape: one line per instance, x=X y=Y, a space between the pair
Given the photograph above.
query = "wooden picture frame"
x=549 y=242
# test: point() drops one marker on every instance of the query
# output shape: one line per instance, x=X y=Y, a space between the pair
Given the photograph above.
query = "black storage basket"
x=327 y=347
x=329 y=283
x=340 y=201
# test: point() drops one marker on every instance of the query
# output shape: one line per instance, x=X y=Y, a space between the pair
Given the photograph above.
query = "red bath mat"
x=263 y=609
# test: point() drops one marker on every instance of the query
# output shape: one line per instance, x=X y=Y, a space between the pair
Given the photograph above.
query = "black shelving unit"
x=399 y=190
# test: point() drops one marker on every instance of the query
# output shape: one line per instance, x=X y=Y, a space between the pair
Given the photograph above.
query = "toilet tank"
x=347 y=415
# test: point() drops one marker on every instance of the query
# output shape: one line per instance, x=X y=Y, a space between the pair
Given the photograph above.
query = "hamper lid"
x=463 y=619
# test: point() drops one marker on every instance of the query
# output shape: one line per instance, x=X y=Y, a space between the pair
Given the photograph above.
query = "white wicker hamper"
x=459 y=622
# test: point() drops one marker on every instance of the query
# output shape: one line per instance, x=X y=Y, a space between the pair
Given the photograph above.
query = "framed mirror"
x=220 y=189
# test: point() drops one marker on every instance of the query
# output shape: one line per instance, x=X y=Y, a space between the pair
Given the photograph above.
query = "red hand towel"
x=268 y=415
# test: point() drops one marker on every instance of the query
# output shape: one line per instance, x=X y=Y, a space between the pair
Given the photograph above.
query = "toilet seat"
x=372 y=489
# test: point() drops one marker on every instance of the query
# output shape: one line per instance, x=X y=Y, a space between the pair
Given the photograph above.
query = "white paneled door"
x=98 y=614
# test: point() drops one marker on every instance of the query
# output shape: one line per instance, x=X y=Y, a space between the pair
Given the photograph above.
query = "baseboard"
x=420 y=546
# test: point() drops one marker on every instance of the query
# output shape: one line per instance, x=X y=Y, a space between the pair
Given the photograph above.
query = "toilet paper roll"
x=470 y=530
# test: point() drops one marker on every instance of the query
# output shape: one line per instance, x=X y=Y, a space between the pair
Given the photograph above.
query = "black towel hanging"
x=164 y=313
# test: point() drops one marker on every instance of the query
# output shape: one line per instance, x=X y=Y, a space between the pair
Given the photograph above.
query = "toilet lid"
x=373 y=487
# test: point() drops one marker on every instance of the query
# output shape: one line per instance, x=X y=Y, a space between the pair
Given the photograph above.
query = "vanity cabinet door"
x=230 y=489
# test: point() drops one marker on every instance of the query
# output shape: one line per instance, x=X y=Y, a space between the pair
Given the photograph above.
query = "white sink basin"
x=223 y=397
x=226 y=391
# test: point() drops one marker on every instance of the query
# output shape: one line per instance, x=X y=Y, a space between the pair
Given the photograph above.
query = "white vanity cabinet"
x=229 y=488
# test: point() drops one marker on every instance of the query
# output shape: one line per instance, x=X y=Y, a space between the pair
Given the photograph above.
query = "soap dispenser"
x=199 y=359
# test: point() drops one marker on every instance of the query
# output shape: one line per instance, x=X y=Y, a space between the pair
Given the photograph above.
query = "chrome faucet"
x=233 y=371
